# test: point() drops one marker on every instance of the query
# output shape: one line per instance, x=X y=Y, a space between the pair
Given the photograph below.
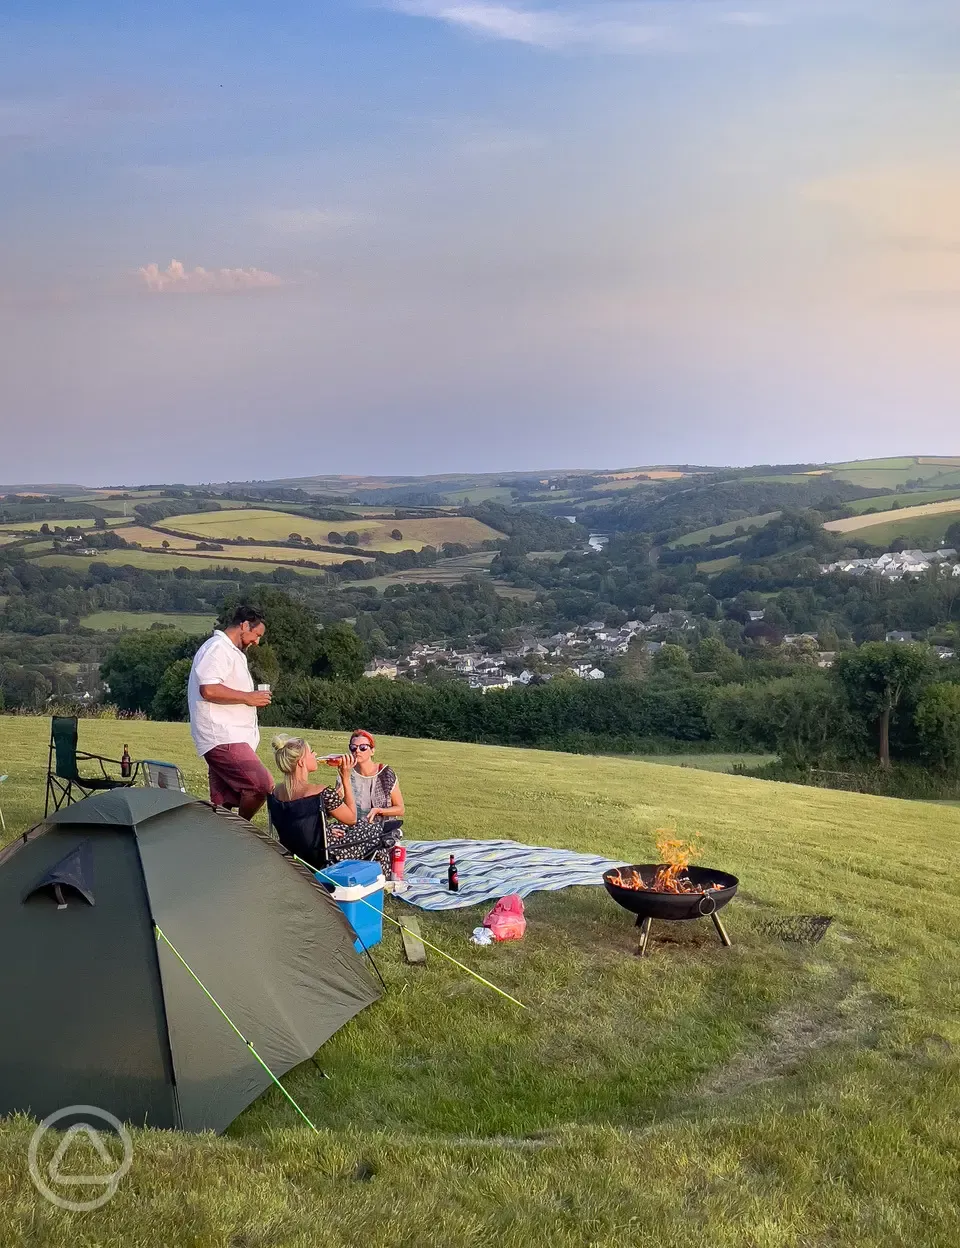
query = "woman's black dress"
x=300 y=828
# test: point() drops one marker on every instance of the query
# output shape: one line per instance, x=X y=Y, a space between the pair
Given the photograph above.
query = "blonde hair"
x=288 y=751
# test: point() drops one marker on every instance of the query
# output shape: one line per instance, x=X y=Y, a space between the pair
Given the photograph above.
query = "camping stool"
x=2 y=823
x=159 y=775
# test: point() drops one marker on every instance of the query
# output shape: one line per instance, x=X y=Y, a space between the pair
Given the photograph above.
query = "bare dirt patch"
x=795 y=1033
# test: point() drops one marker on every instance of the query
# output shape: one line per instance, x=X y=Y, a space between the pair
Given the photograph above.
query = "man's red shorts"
x=235 y=773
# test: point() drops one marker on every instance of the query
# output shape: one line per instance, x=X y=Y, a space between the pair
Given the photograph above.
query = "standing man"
x=223 y=714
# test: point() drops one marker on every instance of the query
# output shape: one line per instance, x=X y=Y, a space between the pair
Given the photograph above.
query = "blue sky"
x=249 y=240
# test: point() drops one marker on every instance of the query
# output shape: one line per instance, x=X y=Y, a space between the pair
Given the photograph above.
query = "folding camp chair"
x=157 y=775
x=63 y=771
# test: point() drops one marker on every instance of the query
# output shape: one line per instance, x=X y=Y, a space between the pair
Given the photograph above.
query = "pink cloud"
x=175 y=279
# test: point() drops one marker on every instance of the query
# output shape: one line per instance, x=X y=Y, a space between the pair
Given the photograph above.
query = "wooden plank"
x=412 y=944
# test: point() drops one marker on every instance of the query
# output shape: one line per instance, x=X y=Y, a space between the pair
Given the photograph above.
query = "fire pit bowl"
x=648 y=904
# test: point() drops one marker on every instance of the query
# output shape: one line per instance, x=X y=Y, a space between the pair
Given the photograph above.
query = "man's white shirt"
x=220 y=662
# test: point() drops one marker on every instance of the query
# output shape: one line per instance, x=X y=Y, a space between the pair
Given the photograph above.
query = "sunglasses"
x=354 y=748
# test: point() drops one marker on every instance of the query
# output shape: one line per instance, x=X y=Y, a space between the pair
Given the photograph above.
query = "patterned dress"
x=369 y=835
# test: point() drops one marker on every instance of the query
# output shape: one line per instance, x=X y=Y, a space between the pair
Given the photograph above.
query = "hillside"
x=768 y=1092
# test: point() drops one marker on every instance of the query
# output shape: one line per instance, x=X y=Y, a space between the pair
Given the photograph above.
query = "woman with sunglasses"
x=377 y=797
x=320 y=824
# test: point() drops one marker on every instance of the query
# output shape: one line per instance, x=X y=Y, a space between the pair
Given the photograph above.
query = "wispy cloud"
x=175 y=279
x=605 y=27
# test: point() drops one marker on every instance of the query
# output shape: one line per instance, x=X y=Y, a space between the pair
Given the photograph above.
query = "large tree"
x=878 y=678
x=341 y=654
x=292 y=629
x=938 y=725
x=135 y=667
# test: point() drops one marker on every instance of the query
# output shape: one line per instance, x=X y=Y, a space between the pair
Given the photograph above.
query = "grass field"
x=166 y=562
x=724 y=530
x=915 y=498
x=265 y=526
x=763 y=1096
x=109 y=621
x=929 y=521
x=710 y=762
x=446 y=572
x=889 y=473
x=711 y=566
x=83 y=522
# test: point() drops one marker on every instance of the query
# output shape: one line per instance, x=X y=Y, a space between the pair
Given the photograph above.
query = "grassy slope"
x=914 y=498
x=271 y=525
x=923 y=532
x=166 y=562
x=107 y=620
x=724 y=530
x=768 y=1095
x=859 y=523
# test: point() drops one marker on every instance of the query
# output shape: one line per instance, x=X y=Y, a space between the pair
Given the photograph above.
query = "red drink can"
x=398 y=856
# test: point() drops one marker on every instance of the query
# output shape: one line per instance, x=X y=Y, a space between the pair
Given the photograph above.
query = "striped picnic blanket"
x=491 y=869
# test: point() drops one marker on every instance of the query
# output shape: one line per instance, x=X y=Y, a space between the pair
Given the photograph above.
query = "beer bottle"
x=453 y=880
x=125 y=767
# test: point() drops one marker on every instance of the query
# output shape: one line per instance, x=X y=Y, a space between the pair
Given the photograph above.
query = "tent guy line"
x=249 y=1043
x=397 y=923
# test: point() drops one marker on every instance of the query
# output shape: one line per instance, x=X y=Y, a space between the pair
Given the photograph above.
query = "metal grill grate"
x=809 y=928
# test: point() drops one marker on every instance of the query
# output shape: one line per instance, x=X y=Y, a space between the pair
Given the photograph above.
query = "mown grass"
x=762 y=1096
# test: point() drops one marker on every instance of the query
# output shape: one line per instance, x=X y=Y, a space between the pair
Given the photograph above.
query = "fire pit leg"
x=721 y=931
x=644 y=926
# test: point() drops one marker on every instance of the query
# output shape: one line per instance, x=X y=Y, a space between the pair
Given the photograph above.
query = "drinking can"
x=398 y=856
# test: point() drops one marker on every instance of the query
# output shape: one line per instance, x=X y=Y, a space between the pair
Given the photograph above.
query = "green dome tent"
x=96 y=904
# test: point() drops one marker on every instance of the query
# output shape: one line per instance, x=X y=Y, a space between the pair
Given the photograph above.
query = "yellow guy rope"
x=396 y=923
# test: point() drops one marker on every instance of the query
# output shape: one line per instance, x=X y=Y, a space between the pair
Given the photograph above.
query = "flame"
x=675 y=856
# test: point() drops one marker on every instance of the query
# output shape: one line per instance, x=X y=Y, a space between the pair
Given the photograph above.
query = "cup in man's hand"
x=263 y=688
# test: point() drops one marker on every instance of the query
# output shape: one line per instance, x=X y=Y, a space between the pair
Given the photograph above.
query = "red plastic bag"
x=506 y=920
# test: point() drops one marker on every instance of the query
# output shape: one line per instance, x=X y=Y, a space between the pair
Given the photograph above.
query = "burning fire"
x=671 y=877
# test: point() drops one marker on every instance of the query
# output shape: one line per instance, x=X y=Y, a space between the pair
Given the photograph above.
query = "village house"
x=382 y=667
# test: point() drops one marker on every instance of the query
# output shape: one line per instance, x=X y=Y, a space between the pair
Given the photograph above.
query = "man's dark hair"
x=245 y=615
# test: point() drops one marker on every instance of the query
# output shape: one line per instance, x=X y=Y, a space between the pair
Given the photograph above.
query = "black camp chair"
x=63 y=766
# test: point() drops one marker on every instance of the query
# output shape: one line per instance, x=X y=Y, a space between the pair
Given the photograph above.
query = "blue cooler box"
x=358 y=891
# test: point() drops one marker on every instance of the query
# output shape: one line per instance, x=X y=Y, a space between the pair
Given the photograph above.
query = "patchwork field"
x=915 y=498
x=446 y=572
x=115 y=621
x=889 y=473
x=264 y=526
x=768 y=1095
x=724 y=530
x=871 y=526
x=151 y=538
x=166 y=562
x=83 y=522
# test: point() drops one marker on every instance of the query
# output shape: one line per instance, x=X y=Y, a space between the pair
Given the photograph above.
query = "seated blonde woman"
x=299 y=809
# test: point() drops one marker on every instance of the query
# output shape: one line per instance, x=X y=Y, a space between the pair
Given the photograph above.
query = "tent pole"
x=249 y=1043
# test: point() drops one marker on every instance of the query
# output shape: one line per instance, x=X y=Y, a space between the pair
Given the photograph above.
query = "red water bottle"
x=398 y=856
